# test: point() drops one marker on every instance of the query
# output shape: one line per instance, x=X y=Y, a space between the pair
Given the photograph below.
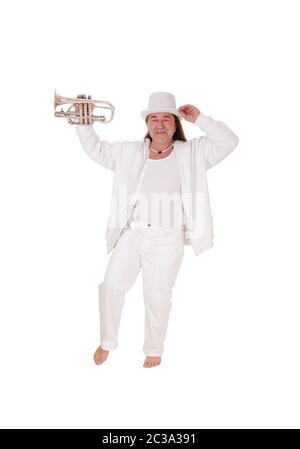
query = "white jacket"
x=128 y=160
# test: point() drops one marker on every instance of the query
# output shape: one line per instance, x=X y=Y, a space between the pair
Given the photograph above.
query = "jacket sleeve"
x=219 y=142
x=102 y=152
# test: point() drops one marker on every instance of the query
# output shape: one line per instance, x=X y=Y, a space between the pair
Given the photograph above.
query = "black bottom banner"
x=148 y=438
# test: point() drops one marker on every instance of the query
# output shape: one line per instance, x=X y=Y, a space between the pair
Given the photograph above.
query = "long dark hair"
x=178 y=134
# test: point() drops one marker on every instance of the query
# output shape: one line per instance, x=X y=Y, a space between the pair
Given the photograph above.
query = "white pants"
x=159 y=253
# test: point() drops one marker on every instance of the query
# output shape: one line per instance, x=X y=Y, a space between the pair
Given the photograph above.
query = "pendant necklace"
x=160 y=151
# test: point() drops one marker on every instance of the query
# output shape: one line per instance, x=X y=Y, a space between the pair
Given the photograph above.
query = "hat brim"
x=152 y=111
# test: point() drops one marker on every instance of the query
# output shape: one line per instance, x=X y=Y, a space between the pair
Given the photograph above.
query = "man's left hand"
x=189 y=112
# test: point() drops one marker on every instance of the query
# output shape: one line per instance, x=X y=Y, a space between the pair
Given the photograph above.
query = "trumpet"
x=83 y=114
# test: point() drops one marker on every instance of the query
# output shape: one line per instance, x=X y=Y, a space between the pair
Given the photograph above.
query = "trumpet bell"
x=81 y=110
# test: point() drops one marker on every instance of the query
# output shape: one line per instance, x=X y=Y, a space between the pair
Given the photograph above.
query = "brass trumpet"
x=85 y=114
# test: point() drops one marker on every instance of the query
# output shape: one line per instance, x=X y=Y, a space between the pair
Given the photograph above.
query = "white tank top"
x=159 y=202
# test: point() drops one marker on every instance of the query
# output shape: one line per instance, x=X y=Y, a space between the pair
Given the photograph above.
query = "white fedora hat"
x=161 y=102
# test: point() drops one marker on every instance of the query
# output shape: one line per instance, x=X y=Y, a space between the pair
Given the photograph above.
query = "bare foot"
x=150 y=362
x=100 y=355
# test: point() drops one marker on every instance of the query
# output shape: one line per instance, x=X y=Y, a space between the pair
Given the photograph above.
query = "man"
x=164 y=164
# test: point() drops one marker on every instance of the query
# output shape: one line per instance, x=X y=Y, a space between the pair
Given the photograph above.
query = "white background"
x=231 y=356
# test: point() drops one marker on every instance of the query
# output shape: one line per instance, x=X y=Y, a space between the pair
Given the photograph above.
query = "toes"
x=98 y=360
x=100 y=356
x=149 y=363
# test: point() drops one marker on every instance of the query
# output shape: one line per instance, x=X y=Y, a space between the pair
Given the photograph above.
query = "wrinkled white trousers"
x=159 y=253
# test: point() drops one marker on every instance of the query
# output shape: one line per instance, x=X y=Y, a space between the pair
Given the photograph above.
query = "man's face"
x=161 y=127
